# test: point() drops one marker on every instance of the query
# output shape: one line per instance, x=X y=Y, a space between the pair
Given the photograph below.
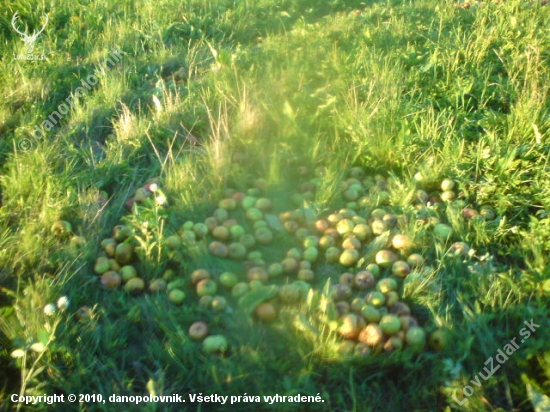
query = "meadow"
x=326 y=108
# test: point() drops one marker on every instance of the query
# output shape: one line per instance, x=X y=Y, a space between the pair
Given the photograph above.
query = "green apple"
x=447 y=184
x=102 y=265
x=134 y=286
x=443 y=231
x=219 y=303
x=415 y=260
x=173 y=242
x=289 y=294
x=176 y=296
x=371 y=313
x=128 y=272
x=200 y=229
x=207 y=287
x=236 y=231
x=218 y=249
x=326 y=242
x=386 y=285
x=401 y=269
x=221 y=233
x=374 y=269
x=237 y=251
x=215 y=344
x=228 y=204
x=362 y=231
x=257 y=273
x=376 y=299
x=266 y=312
x=61 y=229
x=121 y=233
x=415 y=337
x=310 y=254
x=275 y=270
x=157 y=286
x=390 y=324
x=124 y=253
x=254 y=214
x=240 y=289
x=228 y=279
x=111 y=279
x=306 y=275
x=263 y=235
x=438 y=339
x=349 y=257
x=364 y=280
x=345 y=226
x=385 y=258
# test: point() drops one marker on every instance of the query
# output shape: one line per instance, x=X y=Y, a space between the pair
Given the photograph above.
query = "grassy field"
x=208 y=96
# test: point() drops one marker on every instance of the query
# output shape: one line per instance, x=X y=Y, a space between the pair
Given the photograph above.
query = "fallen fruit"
x=198 y=330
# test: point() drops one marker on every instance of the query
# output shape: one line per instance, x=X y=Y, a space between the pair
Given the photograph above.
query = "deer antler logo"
x=28 y=39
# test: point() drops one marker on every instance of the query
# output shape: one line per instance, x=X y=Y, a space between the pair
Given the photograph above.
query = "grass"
x=393 y=86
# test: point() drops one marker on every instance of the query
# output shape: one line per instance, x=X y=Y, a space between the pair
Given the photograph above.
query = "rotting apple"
x=198 y=330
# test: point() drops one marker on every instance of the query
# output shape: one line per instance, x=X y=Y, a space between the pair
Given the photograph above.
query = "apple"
x=392 y=297
x=124 y=253
x=221 y=215
x=487 y=212
x=345 y=226
x=157 y=286
x=387 y=284
x=374 y=269
x=290 y=265
x=263 y=235
x=229 y=203
x=247 y=240
x=372 y=335
x=257 y=273
x=84 y=313
x=306 y=275
x=400 y=309
x=459 y=249
x=357 y=304
x=77 y=242
x=254 y=214
x=210 y=222
x=415 y=260
x=340 y=292
x=310 y=241
x=240 y=289
x=188 y=236
x=401 y=242
x=443 y=231
x=237 y=251
x=263 y=204
x=362 y=231
x=198 y=330
x=228 y=279
x=198 y=275
x=109 y=246
x=215 y=344
x=291 y=226
x=364 y=280
x=438 y=339
x=370 y=313
x=390 y=324
x=334 y=218
x=128 y=272
x=61 y=229
x=266 y=312
x=289 y=294
x=134 y=286
x=347 y=279
x=168 y=275
x=115 y=265
x=350 y=326
x=407 y=322
x=401 y=269
x=218 y=249
x=121 y=233
x=332 y=232
x=176 y=296
x=378 y=226
x=219 y=303
x=221 y=233
x=415 y=337
x=394 y=343
x=376 y=299
x=385 y=258
x=275 y=270
x=201 y=230
x=326 y=241
x=173 y=242
x=351 y=242
x=448 y=196
x=301 y=234
x=205 y=302
x=111 y=279
x=321 y=225
x=349 y=257
x=207 y=287
x=469 y=213
x=102 y=265
x=447 y=184
x=310 y=254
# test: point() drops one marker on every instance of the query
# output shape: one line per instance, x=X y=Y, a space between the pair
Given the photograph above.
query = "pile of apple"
x=363 y=248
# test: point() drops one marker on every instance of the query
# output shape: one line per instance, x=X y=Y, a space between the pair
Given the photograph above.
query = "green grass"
x=395 y=87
